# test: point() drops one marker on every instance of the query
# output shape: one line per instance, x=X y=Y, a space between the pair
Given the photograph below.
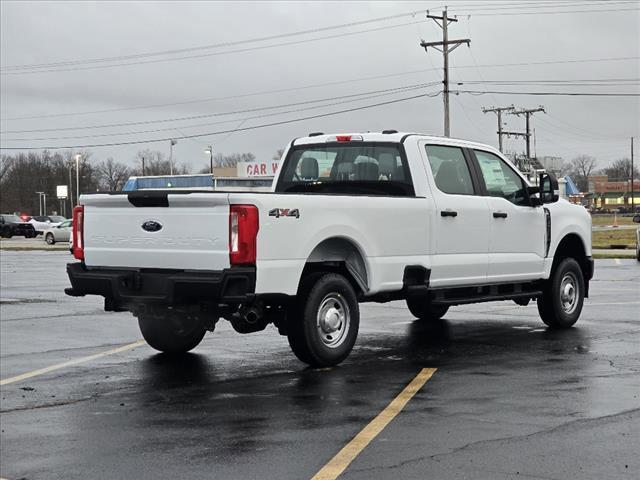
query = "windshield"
x=12 y=219
x=57 y=218
x=354 y=168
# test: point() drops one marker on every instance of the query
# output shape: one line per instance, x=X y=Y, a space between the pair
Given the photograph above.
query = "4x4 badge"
x=284 y=212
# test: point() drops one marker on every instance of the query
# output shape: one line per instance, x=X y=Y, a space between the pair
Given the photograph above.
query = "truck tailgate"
x=191 y=233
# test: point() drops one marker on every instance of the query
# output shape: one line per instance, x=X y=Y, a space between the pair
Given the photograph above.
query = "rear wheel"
x=49 y=239
x=323 y=325
x=171 y=334
x=563 y=295
x=422 y=308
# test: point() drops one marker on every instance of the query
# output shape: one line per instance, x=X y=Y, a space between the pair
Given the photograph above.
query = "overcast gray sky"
x=502 y=33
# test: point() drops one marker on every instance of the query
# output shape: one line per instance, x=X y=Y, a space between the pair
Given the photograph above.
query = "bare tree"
x=112 y=175
x=6 y=163
x=231 y=160
x=620 y=170
x=581 y=168
x=156 y=162
x=278 y=155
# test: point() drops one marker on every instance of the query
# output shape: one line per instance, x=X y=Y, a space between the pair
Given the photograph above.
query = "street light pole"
x=40 y=202
x=172 y=142
x=209 y=150
x=78 y=179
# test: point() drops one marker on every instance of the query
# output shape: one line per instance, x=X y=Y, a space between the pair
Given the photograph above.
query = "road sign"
x=62 y=191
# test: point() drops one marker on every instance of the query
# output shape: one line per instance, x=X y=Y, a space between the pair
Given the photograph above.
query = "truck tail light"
x=243 y=234
x=78 y=232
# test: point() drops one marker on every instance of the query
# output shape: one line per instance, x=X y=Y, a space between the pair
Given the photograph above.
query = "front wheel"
x=323 y=326
x=563 y=295
x=170 y=334
x=49 y=239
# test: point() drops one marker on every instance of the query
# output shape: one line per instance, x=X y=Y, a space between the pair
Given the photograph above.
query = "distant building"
x=608 y=195
x=552 y=164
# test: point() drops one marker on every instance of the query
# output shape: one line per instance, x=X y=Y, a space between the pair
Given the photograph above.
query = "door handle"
x=499 y=215
x=448 y=213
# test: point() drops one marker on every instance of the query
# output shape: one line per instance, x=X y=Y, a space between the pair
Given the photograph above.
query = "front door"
x=517 y=235
x=461 y=225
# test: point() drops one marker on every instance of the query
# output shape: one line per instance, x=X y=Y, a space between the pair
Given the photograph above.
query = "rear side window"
x=450 y=170
x=354 y=168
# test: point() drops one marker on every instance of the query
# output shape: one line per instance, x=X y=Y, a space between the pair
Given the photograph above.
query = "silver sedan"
x=59 y=233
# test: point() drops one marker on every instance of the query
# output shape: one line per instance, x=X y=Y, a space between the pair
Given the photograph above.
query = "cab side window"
x=501 y=180
x=450 y=170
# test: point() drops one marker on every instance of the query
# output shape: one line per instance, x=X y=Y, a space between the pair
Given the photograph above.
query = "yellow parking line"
x=351 y=450
x=69 y=363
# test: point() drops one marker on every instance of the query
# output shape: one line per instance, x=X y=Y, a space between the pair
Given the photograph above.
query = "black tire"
x=50 y=239
x=324 y=339
x=8 y=234
x=421 y=308
x=563 y=295
x=170 y=335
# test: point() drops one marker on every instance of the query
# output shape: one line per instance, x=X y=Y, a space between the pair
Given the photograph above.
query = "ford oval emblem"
x=151 y=226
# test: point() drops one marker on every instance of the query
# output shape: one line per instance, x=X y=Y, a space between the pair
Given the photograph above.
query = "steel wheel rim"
x=569 y=293
x=333 y=320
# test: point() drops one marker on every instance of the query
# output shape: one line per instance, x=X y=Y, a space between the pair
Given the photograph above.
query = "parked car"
x=44 y=222
x=351 y=218
x=636 y=219
x=13 y=226
x=59 y=233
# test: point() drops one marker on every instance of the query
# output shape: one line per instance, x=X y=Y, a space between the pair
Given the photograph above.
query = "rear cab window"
x=355 y=168
x=450 y=170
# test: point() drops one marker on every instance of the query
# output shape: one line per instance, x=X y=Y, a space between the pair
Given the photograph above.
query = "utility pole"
x=498 y=111
x=446 y=46
x=527 y=112
x=143 y=174
x=633 y=208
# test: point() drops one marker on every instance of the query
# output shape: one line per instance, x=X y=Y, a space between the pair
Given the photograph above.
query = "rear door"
x=188 y=231
x=517 y=237
x=461 y=224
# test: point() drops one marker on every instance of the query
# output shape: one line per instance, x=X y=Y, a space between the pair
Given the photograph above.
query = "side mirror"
x=534 y=200
x=636 y=219
x=549 y=188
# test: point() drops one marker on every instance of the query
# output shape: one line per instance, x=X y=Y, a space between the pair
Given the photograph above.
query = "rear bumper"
x=122 y=287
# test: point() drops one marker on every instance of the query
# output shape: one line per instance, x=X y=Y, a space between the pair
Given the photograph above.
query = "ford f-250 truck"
x=351 y=218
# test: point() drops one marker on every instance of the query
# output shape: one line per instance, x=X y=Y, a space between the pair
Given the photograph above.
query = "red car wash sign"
x=257 y=169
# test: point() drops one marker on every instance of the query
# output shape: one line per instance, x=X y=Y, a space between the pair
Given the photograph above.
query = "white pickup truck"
x=351 y=218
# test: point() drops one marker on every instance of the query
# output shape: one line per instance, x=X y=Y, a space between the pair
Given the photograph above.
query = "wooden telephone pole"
x=527 y=112
x=446 y=46
x=498 y=111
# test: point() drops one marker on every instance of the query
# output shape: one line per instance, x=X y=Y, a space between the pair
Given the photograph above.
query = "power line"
x=173 y=128
x=52 y=67
x=209 y=115
x=486 y=6
x=569 y=94
x=213 y=99
x=282 y=122
x=203 y=55
x=340 y=82
x=206 y=47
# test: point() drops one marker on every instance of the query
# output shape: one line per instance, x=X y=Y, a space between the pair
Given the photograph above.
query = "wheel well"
x=342 y=256
x=571 y=246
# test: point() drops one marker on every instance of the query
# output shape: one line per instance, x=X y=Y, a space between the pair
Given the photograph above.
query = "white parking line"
x=58 y=366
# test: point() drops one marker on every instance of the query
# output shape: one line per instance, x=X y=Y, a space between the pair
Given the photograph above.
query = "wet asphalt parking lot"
x=508 y=399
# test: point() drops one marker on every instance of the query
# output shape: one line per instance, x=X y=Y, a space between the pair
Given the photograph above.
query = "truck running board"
x=485 y=293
